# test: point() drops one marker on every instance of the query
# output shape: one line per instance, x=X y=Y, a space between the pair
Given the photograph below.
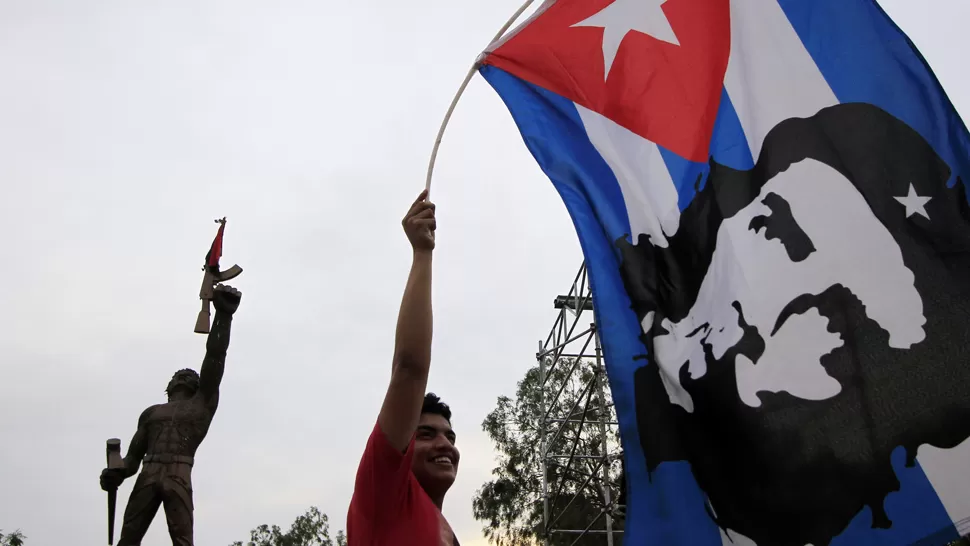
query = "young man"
x=410 y=460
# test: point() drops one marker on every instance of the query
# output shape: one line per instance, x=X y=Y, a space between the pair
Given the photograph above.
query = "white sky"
x=126 y=127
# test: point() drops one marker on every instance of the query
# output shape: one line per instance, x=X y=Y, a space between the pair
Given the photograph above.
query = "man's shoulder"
x=379 y=446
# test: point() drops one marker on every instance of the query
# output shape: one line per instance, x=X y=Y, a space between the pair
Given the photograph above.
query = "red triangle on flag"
x=668 y=93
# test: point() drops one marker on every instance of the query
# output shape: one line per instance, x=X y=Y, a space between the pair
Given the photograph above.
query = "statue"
x=168 y=436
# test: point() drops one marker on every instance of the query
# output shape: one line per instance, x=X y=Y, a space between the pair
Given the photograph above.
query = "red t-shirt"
x=389 y=507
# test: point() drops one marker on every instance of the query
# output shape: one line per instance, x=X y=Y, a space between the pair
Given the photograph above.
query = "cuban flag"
x=770 y=198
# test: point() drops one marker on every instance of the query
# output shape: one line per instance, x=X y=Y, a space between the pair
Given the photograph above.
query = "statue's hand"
x=111 y=478
x=226 y=299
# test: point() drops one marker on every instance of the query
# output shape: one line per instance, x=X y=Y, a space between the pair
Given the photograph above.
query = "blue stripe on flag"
x=865 y=57
x=667 y=507
x=728 y=146
x=684 y=174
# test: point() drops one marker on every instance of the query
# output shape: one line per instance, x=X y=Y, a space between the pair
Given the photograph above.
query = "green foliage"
x=15 y=538
x=310 y=529
x=510 y=505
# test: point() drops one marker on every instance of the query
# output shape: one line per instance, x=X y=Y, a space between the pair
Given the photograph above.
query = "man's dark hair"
x=433 y=404
x=193 y=380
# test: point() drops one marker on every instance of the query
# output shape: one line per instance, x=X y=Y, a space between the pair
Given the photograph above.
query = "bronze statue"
x=168 y=436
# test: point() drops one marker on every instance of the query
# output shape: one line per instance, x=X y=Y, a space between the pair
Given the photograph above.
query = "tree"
x=15 y=538
x=310 y=529
x=510 y=505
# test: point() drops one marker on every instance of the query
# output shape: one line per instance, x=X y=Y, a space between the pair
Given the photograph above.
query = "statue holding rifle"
x=169 y=434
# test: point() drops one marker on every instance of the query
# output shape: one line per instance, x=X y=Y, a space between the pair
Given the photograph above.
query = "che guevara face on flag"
x=807 y=322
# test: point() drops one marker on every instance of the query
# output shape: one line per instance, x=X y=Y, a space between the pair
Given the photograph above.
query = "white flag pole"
x=461 y=91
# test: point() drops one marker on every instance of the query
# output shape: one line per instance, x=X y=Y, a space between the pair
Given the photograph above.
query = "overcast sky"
x=127 y=127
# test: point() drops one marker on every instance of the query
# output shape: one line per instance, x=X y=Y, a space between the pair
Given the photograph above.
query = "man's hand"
x=226 y=299
x=111 y=478
x=419 y=224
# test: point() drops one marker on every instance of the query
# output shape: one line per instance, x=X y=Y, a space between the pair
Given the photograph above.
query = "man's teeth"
x=440 y=460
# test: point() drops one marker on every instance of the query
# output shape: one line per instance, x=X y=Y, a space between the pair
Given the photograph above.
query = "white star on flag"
x=914 y=203
x=624 y=16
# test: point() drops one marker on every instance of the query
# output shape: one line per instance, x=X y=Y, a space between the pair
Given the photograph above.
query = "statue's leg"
x=142 y=506
x=179 y=507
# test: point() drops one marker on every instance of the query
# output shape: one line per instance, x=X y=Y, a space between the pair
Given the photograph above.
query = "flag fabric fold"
x=215 y=251
x=770 y=198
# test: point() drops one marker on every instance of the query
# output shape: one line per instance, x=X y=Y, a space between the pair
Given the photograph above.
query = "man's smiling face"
x=435 y=463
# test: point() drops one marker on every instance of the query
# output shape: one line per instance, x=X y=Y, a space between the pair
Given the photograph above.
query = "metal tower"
x=579 y=441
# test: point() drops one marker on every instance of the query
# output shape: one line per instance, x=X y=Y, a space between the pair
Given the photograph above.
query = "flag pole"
x=461 y=91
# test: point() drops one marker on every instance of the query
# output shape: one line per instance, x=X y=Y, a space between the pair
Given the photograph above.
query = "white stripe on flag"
x=648 y=190
x=947 y=471
x=770 y=75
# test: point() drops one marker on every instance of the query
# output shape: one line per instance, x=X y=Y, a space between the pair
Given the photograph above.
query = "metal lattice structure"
x=579 y=440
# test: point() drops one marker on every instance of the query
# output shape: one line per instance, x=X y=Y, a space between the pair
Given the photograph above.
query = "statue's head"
x=184 y=382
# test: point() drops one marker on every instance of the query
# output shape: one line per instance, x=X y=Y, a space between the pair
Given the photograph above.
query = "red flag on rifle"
x=215 y=251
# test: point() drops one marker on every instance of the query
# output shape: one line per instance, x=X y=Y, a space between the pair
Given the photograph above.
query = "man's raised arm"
x=226 y=300
x=412 y=344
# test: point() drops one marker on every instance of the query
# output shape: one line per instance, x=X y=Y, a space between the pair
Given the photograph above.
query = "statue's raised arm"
x=226 y=300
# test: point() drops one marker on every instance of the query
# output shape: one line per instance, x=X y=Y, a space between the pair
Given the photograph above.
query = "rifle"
x=113 y=453
x=212 y=277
